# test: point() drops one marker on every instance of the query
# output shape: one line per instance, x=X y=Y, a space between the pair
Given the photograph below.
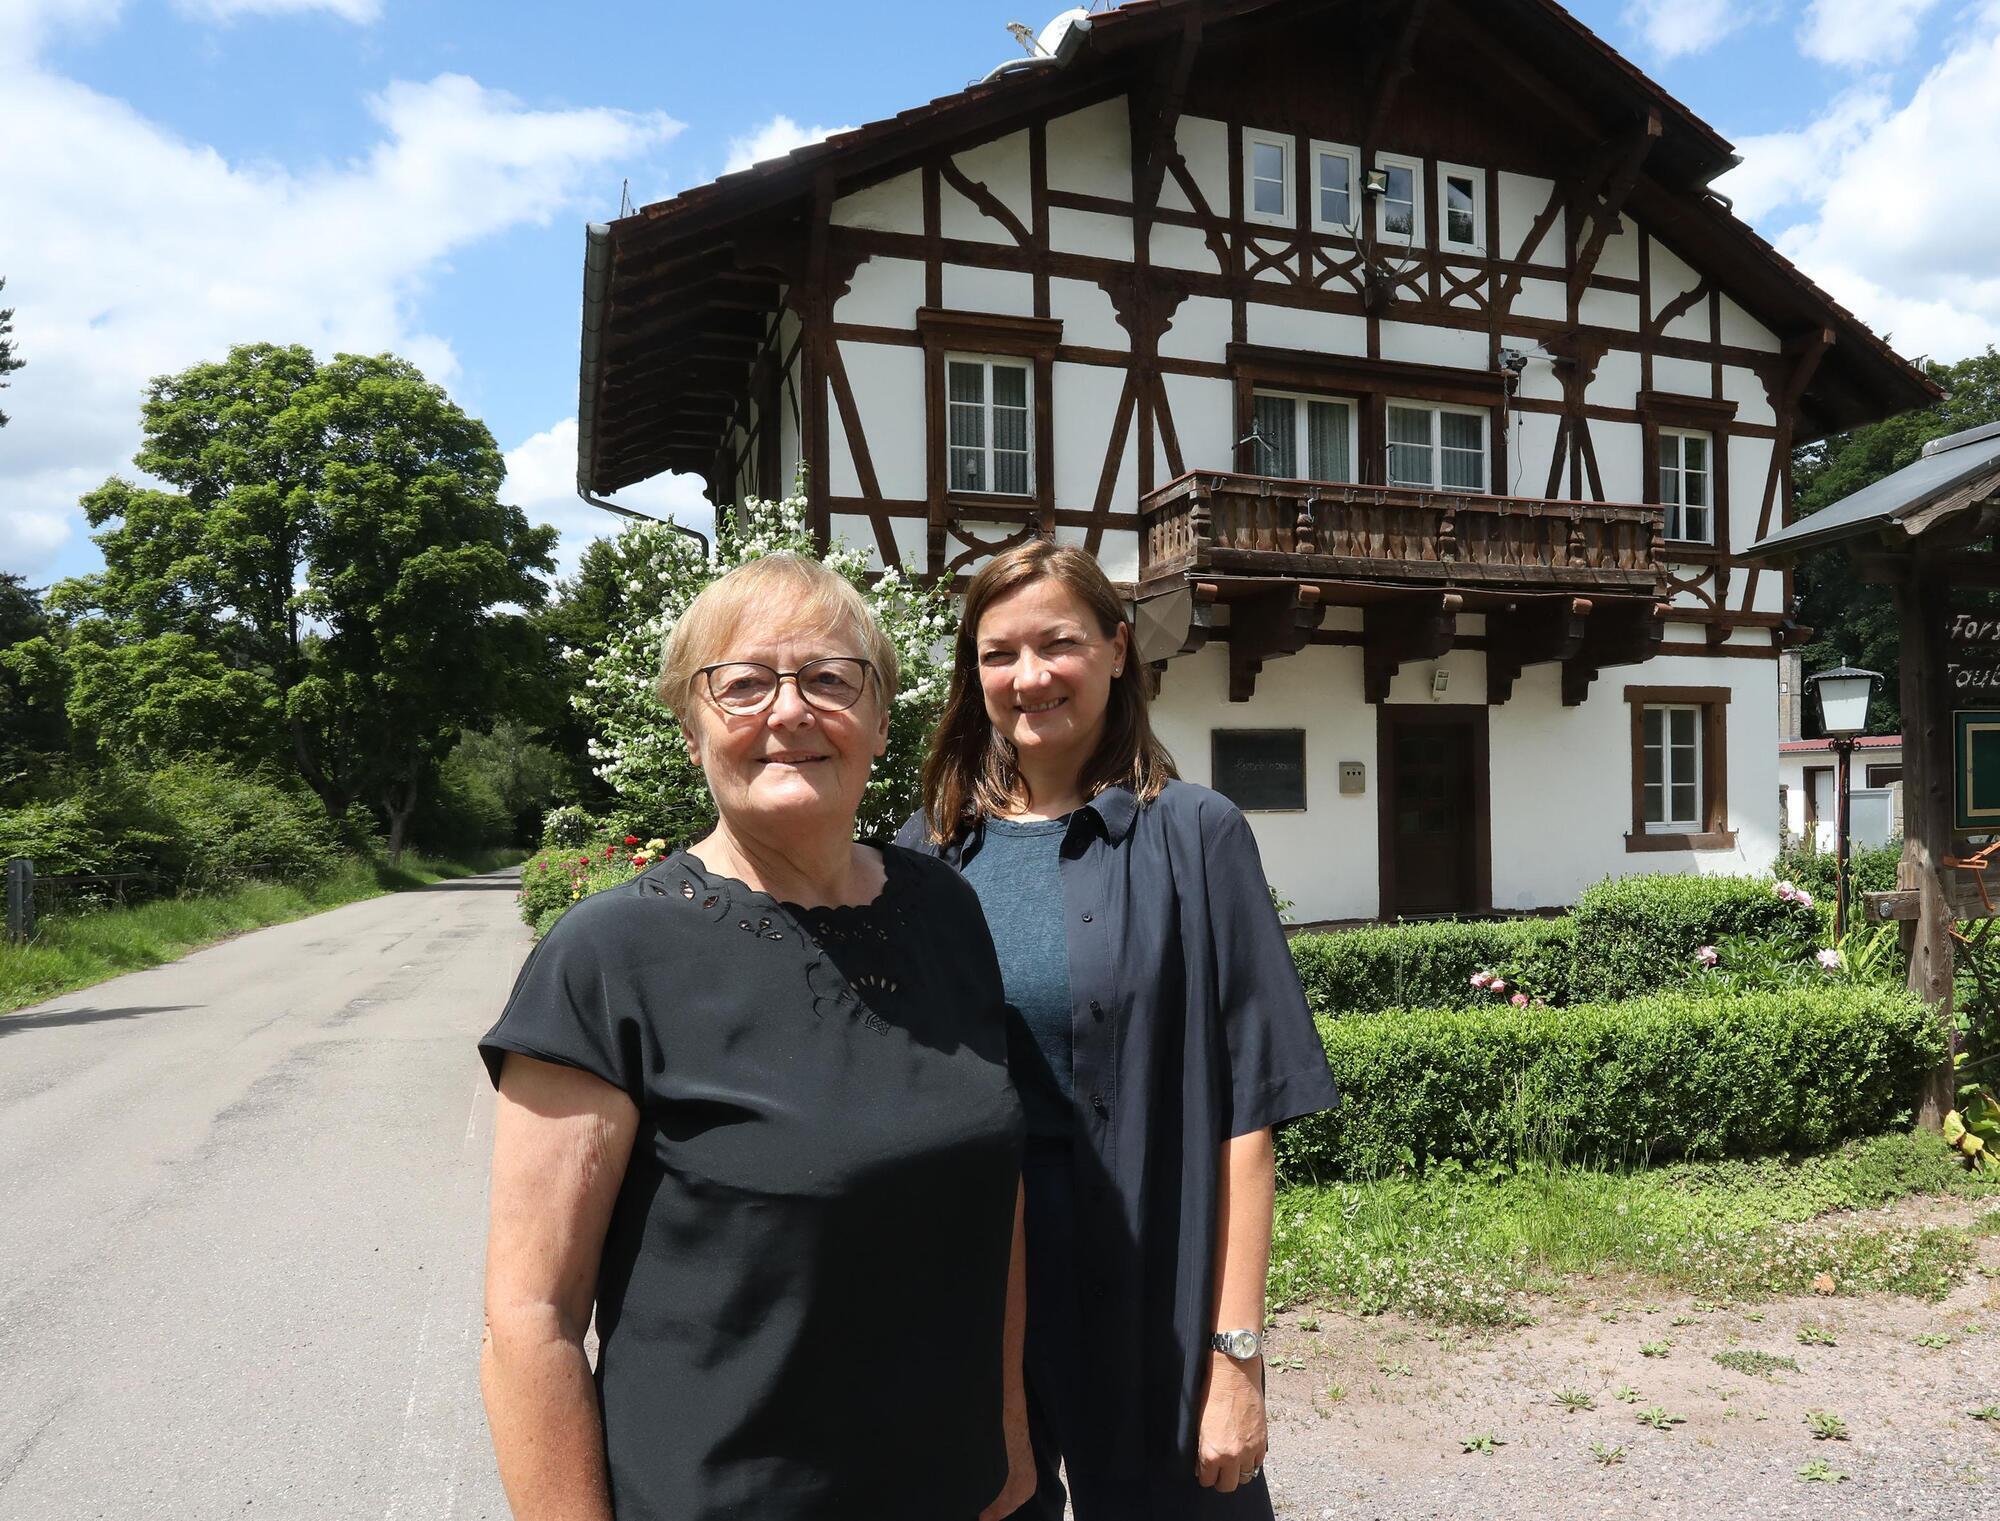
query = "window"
x=1400 y=212
x=1884 y=776
x=1304 y=437
x=987 y=425
x=1267 y=169
x=1261 y=770
x=1680 y=765
x=1684 y=485
x=1673 y=768
x=1435 y=445
x=1462 y=207
x=1336 y=180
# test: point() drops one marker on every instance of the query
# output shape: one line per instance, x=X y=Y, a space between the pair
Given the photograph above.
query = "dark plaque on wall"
x=1261 y=770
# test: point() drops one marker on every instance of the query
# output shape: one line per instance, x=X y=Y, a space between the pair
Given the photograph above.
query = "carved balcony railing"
x=1215 y=522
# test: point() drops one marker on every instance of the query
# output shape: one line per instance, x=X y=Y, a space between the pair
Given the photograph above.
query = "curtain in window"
x=966 y=389
x=1410 y=446
x=1010 y=428
x=1277 y=426
x=1463 y=437
x=1326 y=442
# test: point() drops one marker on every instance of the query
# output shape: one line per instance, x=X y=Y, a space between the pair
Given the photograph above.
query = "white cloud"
x=130 y=252
x=1672 y=28
x=1901 y=203
x=541 y=481
x=361 y=12
x=778 y=136
x=1861 y=33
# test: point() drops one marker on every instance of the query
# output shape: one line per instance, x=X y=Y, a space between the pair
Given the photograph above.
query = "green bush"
x=1868 y=871
x=462 y=809
x=1403 y=966
x=567 y=828
x=1673 y=1075
x=1638 y=935
x=67 y=835
x=222 y=827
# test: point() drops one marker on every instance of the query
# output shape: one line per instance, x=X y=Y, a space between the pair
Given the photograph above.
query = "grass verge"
x=1465 y=1248
x=74 y=951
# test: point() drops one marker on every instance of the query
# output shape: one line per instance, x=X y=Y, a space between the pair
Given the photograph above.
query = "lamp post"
x=1844 y=695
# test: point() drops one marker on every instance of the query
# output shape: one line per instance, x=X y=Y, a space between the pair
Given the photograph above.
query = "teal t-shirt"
x=1017 y=873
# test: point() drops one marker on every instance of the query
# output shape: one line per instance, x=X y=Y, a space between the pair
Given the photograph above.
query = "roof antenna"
x=625 y=206
x=1025 y=35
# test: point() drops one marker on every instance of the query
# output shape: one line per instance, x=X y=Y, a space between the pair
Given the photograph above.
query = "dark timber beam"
x=1531 y=633
x=1390 y=69
x=1395 y=633
x=1168 y=93
x=1265 y=625
x=1602 y=199
x=1618 y=634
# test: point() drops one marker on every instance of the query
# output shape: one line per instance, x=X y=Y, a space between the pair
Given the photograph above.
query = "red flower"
x=631 y=839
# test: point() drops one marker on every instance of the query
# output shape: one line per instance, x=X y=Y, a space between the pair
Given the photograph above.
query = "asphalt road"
x=242 y=1214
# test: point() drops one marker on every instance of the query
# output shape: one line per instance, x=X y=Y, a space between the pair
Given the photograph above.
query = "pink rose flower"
x=1519 y=1000
x=1829 y=959
x=1707 y=955
x=1498 y=985
x=1480 y=979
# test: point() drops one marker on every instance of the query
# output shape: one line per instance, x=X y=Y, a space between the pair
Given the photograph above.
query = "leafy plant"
x=1826 y=1426
x=1573 y=1400
x=1656 y=1417
x=1607 y=1456
x=1394 y=1370
x=1815 y=1336
x=1989 y=1413
x=1626 y=1393
x=1933 y=1340
x=1484 y=1442
x=1819 y=1471
x=1655 y=1348
x=1974 y=1126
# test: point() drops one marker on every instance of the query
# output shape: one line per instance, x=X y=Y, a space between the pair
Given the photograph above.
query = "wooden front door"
x=1434 y=824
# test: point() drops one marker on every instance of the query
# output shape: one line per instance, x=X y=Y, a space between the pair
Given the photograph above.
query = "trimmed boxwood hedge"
x=1638 y=935
x=1404 y=966
x=1674 y=1075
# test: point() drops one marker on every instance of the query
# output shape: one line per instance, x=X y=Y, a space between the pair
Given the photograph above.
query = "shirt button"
x=1086 y=918
x=1097 y=1102
x=1096 y=1009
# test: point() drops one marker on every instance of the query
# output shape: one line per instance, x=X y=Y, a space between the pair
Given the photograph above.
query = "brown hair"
x=971 y=770
x=785 y=591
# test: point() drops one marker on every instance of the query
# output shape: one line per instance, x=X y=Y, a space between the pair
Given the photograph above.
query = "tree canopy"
x=329 y=578
x=9 y=360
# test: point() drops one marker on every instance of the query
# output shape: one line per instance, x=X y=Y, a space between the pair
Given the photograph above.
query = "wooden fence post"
x=20 y=899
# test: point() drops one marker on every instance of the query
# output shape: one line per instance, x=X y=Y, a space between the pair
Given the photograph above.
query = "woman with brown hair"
x=1159 y=1032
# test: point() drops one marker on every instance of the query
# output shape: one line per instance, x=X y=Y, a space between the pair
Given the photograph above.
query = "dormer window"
x=1267 y=172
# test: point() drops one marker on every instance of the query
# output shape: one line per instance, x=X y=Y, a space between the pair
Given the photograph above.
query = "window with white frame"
x=987 y=424
x=1461 y=208
x=1303 y=437
x=1672 y=768
x=1336 y=188
x=1685 y=485
x=1267 y=173
x=1435 y=445
x=1399 y=211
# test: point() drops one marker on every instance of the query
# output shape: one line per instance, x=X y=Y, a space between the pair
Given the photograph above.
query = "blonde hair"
x=781 y=591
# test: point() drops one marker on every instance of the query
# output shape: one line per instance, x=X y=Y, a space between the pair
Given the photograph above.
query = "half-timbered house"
x=1396 y=354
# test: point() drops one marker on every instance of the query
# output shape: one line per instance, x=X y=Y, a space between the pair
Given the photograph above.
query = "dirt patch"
x=1370 y=1416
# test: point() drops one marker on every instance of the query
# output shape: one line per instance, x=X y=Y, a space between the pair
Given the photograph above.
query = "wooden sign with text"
x=1972 y=653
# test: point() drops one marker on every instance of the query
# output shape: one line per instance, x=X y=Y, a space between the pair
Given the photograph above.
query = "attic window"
x=1462 y=207
x=1267 y=174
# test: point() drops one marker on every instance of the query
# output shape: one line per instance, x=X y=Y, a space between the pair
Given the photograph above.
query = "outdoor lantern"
x=1844 y=695
x=1375 y=182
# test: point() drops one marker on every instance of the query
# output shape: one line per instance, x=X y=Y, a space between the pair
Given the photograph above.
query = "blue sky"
x=176 y=175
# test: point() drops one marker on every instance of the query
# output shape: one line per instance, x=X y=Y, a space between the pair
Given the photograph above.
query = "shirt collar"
x=1115 y=808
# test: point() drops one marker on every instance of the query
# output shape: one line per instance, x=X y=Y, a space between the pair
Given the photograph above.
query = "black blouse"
x=1188 y=1027
x=802 y=1290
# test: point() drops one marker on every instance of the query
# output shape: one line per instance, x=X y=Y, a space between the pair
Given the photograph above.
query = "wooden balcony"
x=1213 y=521
x=1256 y=561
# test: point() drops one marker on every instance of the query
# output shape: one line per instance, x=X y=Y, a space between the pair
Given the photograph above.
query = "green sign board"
x=1975 y=755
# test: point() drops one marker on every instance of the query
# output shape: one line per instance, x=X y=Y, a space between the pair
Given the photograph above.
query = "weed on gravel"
x=1761 y=1364
x=1464 y=1248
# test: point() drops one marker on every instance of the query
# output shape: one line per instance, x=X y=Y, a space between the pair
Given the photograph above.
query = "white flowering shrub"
x=637 y=747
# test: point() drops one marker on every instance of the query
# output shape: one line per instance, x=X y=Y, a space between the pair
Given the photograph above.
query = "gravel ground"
x=1368 y=1415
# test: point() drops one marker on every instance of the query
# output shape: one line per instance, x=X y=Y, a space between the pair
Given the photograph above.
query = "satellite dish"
x=1062 y=37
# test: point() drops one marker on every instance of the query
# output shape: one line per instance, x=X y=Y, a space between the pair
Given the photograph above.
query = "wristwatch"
x=1241 y=1345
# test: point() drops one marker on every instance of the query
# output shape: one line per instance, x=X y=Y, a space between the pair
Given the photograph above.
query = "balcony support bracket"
x=1273 y=622
x=1421 y=627
x=1529 y=633
x=1618 y=634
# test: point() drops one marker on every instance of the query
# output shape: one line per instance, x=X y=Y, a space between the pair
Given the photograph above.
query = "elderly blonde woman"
x=754 y=1110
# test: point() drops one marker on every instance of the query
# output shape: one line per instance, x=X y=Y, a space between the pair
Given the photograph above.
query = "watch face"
x=1242 y=1344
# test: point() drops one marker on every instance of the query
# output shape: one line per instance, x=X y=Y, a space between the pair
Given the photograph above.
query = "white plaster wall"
x=885 y=292
x=1620 y=258
x=1413 y=343
x=1182 y=248
x=1200 y=330
x=1616 y=383
x=1010 y=292
x=1090 y=232
x=1117 y=551
x=1680 y=377
x=1086 y=405
x=1288 y=327
x=1741 y=330
x=1753 y=402
x=1620 y=449
x=1090 y=151
x=1538 y=380
x=1204 y=412
x=1609 y=308
x=1672 y=276
x=1204 y=144
x=1087 y=315
x=1002 y=167
x=888 y=385
x=895 y=205
x=1548 y=299
x=1530 y=449
x=1522 y=198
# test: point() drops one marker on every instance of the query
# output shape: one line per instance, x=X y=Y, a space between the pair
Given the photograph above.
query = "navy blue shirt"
x=1018 y=876
x=1188 y=1026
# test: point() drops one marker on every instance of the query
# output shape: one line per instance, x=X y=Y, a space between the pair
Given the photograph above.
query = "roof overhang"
x=1954 y=477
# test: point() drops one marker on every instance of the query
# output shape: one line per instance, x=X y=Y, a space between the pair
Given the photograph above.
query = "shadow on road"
x=474 y=885
x=12 y=1023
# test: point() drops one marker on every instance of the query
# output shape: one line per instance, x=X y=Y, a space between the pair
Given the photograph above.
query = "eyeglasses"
x=743 y=687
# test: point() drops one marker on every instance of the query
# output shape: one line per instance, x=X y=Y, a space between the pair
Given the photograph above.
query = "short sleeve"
x=561 y=1009
x=1277 y=1066
x=916 y=834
